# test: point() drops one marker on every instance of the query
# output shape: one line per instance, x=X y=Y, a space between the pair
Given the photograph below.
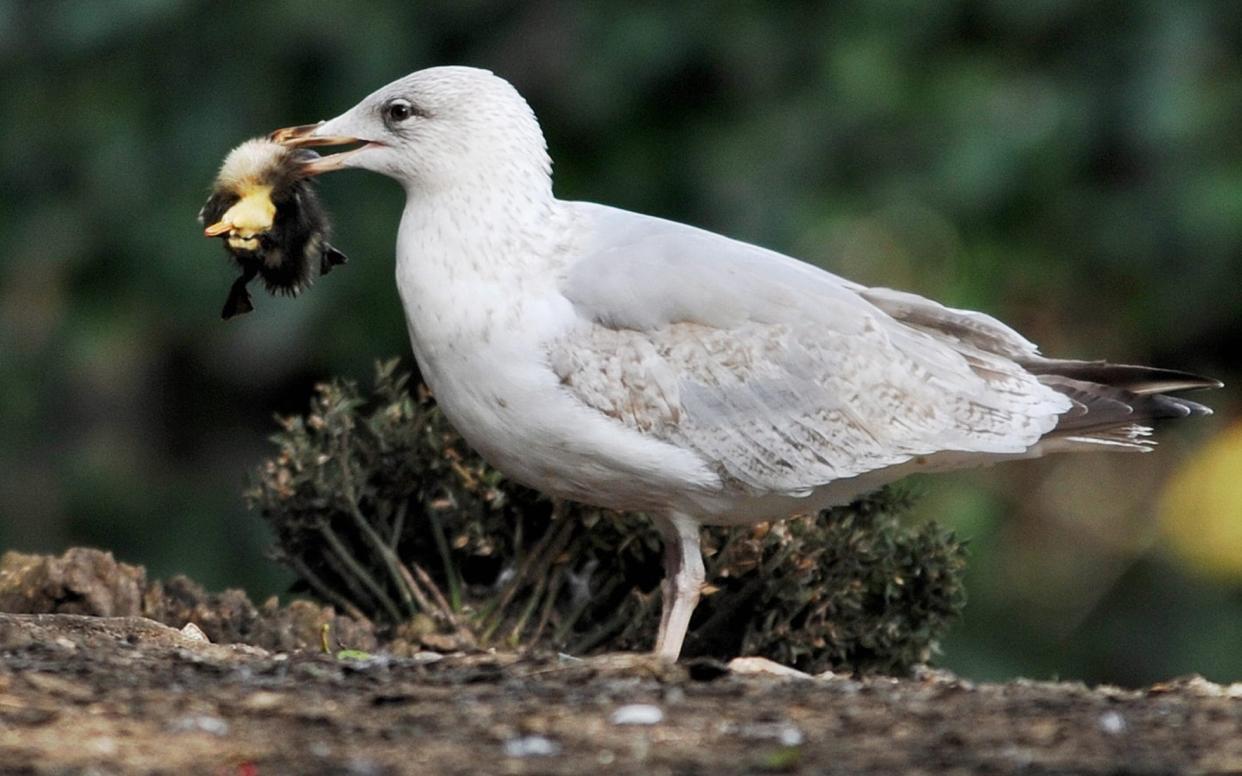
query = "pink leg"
x=683 y=581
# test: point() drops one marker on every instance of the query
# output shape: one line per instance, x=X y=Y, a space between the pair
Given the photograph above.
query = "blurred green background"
x=1073 y=168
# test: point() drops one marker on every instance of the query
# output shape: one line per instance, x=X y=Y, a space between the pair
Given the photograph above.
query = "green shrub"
x=380 y=509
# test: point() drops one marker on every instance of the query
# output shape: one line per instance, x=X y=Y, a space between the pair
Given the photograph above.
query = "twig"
x=613 y=623
x=420 y=597
x=520 y=625
x=562 y=630
x=446 y=558
x=558 y=582
x=377 y=544
x=550 y=536
x=442 y=606
x=357 y=593
x=365 y=577
x=639 y=618
x=549 y=602
x=398 y=524
x=323 y=591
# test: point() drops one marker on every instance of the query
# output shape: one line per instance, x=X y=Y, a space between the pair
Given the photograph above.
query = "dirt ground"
x=97 y=695
x=98 y=677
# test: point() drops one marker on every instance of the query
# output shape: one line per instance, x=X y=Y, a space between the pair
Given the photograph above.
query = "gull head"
x=439 y=128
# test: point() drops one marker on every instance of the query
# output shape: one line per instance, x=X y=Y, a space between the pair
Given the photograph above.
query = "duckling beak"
x=304 y=137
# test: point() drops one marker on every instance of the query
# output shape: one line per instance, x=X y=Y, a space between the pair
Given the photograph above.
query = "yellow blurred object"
x=1201 y=507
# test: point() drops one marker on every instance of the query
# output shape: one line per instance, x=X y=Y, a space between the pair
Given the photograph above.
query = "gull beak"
x=304 y=137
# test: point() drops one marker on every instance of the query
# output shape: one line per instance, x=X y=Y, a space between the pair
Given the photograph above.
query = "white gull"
x=640 y=364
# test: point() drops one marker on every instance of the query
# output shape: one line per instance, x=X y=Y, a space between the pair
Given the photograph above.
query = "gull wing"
x=782 y=376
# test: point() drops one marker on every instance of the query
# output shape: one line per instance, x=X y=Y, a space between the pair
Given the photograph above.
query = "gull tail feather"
x=1135 y=379
x=1114 y=403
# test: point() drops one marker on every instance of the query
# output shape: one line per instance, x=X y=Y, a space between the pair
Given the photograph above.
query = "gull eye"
x=397 y=111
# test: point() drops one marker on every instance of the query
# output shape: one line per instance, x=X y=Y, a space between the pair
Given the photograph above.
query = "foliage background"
x=1074 y=168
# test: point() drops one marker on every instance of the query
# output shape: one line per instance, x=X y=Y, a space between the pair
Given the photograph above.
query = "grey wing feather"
x=966 y=326
x=780 y=375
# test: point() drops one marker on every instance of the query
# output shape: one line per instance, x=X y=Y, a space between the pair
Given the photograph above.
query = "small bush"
x=380 y=509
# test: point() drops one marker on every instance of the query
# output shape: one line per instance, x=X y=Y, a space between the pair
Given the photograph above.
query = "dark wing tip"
x=1144 y=380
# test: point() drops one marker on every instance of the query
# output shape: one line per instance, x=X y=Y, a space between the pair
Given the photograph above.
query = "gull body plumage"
x=641 y=364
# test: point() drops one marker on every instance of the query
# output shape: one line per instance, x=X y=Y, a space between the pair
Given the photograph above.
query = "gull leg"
x=683 y=581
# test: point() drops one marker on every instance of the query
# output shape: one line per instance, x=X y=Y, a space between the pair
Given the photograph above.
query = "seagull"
x=640 y=364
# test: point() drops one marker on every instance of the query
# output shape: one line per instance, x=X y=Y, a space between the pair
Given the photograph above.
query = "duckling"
x=265 y=207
